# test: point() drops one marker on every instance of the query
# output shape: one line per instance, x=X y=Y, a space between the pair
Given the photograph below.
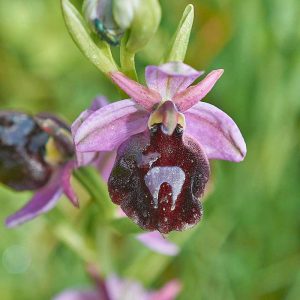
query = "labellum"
x=158 y=179
x=30 y=148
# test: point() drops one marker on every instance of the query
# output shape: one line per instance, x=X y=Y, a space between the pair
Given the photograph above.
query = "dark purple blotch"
x=22 y=149
x=158 y=180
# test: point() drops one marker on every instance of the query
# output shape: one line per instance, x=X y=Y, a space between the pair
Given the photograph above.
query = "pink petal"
x=156 y=242
x=192 y=95
x=168 y=292
x=125 y=289
x=108 y=127
x=131 y=290
x=66 y=184
x=216 y=132
x=120 y=213
x=97 y=103
x=103 y=161
x=139 y=93
x=42 y=201
x=170 y=78
x=86 y=158
x=78 y=295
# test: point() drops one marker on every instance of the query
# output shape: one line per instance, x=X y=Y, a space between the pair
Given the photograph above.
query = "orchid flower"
x=36 y=154
x=114 y=288
x=164 y=138
x=104 y=162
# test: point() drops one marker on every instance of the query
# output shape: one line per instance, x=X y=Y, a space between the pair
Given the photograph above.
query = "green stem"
x=127 y=60
x=105 y=246
x=93 y=247
x=80 y=245
x=91 y=181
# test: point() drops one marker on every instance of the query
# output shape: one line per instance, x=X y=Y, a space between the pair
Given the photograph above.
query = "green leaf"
x=99 y=54
x=125 y=226
x=180 y=41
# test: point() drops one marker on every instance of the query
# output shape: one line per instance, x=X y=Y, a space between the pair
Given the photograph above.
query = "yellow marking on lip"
x=53 y=156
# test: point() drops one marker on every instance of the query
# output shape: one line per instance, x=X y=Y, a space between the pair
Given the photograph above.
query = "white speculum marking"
x=148 y=159
x=155 y=177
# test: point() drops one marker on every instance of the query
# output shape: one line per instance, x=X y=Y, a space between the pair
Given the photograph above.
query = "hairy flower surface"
x=164 y=138
x=36 y=154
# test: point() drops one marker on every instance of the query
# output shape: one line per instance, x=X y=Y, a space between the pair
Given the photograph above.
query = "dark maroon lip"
x=23 y=149
x=158 y=180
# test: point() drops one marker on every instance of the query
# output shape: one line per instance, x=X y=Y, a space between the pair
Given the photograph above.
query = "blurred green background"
x=247 y=246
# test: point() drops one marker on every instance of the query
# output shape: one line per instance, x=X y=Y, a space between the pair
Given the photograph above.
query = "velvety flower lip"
x=22 y=165
x=50 y=138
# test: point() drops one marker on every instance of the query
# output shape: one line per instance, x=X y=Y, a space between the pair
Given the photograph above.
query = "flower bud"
x=144 y=24
x=109 y=19
x=99 y=15
x=29 y=152
x=124 y=12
